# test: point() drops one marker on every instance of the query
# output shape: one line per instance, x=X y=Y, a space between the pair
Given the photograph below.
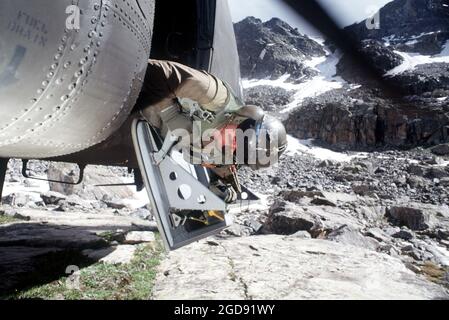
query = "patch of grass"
x=100 y=281
x=7 y=219
x=435 y=273
x=111 y=236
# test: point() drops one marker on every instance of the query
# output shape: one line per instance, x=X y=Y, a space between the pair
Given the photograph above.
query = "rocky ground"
x=46 y=235
x=373 y=226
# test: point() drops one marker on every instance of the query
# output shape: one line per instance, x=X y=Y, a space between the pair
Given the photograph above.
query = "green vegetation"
x=7 y=219
x=100 y=281
x=435 y=273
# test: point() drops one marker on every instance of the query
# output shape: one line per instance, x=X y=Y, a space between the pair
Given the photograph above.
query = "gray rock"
x=13 y=179
x=370 y=214
x=390 y=231
x=284 y=218
x=136 y=237
x=437 y=173
x=363 y=189
x=142 y=213
x=17 y=199
x=115 y=203
x=404 y=235
x=378 y=234
x=93 y=175
x=441 y=150
x=287 y=218
x=302 y=235
x=285 y=268
x=237 y=230
x=417 y=170
x=349 y=236
x=318 y=201
x=52 y=197
x=325 y=164
x=76 y=201
x=444 y=182
x=416 y=182
x=255 y=225
x=380 y=170
x=415 y=219
x=298 y=195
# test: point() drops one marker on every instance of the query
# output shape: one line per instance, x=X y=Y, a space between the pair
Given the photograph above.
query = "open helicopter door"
x=186 y=210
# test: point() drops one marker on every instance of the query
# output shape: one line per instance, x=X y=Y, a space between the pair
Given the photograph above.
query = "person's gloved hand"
x=224 y=191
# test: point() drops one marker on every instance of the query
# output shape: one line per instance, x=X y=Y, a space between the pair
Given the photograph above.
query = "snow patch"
x=412 y=60
x=297 y=146
x=326 y=81
x=410 y=40
x=445 y=51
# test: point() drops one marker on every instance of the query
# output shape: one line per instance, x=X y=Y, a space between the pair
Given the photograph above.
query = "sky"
x=345 y=12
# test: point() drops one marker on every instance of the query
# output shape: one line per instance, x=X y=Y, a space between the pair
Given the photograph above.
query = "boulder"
x=437 y=173
x=142 y=213
x=441 y=150
x=378 y=234
x=136 y=237
x=237 y=230
x=17 y=199
x=444 y=182
x=52 y=197
x=87 y=190
x=114 y=203
x=416 y=182
x=363 y=189
x=318 y=201
x=286 y=268
x=76 y=201
x=286 y=218
x=298 y=195
x=413 y=218
x=349 y=236
x=404 y=235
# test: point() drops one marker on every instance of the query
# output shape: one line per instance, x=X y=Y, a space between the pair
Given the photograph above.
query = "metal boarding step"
x=185 y=209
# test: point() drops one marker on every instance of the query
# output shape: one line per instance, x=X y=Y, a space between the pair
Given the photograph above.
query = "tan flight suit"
x=165 y=81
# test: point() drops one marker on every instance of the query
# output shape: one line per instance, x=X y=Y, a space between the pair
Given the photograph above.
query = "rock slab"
x=278 y=267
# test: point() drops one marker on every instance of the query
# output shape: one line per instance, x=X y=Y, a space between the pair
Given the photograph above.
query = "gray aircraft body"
x=71 y=72
x=69 y=82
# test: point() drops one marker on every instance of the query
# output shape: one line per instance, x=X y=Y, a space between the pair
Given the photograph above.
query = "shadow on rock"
x=33 y=254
